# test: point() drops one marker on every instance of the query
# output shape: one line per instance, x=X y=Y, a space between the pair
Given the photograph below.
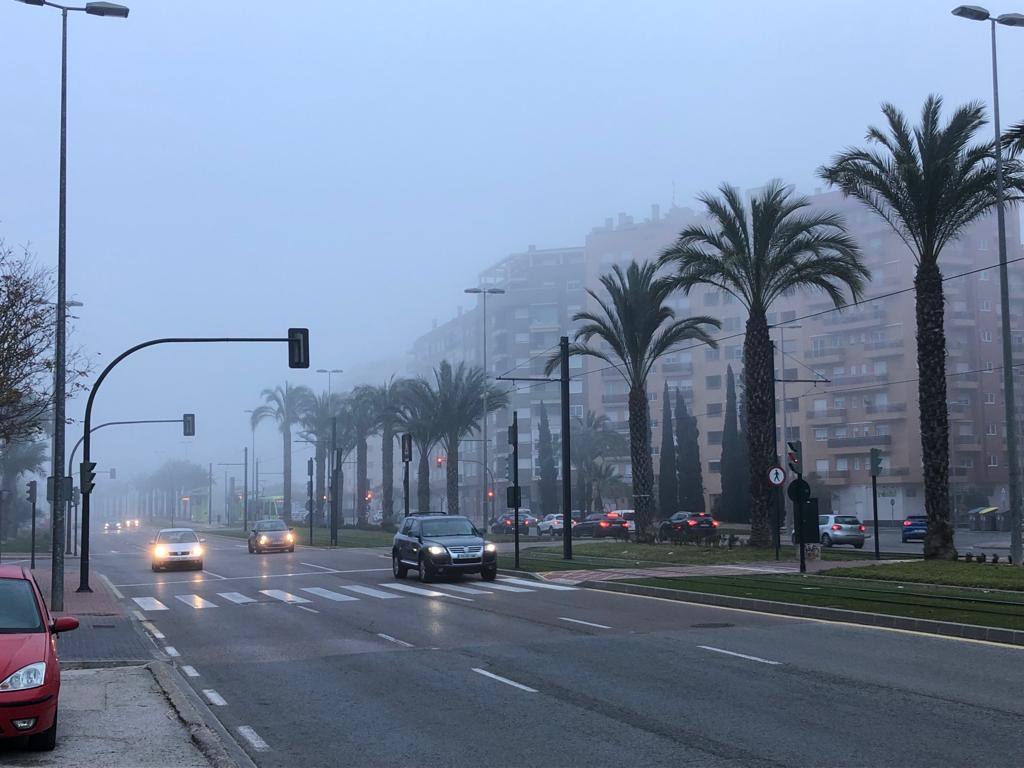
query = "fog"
x=238 y=168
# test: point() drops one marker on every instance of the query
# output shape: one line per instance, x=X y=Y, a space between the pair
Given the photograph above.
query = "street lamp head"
x=33 y=2
x=473 y=290
x=972 y=12
x=1011 y=19
x=106 y=9
x=495 y=290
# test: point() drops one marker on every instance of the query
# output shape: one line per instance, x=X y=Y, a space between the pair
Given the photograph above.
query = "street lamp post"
x=975 y=13
x=329 y=372
x=59 y=342
x=484 y=292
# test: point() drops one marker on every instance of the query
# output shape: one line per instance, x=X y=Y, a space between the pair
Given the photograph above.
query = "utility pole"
x=333 y=463
x=515 y=495
x=563 y=345
x=245 y=488
x=32 y=501
x=209 y=498
x=876 y=467
x=406 y=460
x=309 y=472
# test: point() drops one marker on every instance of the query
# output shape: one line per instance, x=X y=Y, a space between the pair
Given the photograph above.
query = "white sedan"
x=552 y=525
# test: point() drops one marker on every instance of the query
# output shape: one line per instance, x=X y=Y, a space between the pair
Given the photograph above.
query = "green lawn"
x=873 y=596
x=22 y=543
x=347 y=537
x=960 y=574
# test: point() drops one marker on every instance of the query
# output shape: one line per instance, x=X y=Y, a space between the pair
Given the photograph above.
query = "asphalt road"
x=364 y=674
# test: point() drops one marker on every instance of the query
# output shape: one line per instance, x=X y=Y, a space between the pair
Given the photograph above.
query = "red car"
x=29 y=667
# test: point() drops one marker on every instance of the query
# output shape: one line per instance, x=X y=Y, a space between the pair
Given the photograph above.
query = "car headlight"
x=198 y=551
x=290 y=537
x=31 y=676
x=490 y=547
x=435 y=549
x=159 y=551
x=264 y=539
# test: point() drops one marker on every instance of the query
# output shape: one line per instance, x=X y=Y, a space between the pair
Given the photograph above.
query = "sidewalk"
x=118 y=717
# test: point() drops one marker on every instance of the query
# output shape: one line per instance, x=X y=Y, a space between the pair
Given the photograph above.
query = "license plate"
x=464 y=556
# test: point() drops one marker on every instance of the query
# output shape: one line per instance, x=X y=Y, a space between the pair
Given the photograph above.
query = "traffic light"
x=31 y=494
x=876 y=462
x=439 y=460
x=87 y=479
x=298 y=347
x=795 y=456
x=490 y=494
x=188 y=424
x=406 y=447
x=369 y=495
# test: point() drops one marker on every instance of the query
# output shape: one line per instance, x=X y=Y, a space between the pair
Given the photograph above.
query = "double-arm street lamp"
x=59 y=343
x=329 y=372
x=484 y=293
x=976 y=13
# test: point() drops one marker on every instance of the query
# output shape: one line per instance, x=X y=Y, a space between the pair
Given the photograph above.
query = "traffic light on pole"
x=87 y=479
x=795 y=456
x=298 y=348
x=876 y=462
x=188 y=424
x=31 y=494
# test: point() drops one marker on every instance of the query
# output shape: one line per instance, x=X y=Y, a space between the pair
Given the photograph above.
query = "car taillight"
x=604 y=524
x=714 y=523
x=691 y=522
x=836 y=527
x=906 y=522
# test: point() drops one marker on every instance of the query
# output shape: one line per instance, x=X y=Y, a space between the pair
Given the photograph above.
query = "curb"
x=886 y=621
x=203 y=736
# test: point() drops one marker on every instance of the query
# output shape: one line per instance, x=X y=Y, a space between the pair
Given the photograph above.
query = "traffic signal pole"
x=32 y=500
x=876 y=465
x=513 y=438
x=563 y=346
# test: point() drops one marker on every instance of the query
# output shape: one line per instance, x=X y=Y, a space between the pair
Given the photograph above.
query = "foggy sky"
x=236 y=168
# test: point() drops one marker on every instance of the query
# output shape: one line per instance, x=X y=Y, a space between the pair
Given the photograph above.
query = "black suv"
x=435 y=544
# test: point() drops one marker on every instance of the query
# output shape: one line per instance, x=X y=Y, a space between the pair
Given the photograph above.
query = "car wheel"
x=397 y=568
x=199 y=565
x=426 y=571
x=826 y=540
x=292 y=548
x=251 y=550
x=489 y=574
x=47 y=740
x=154 y=567
x=859 y=546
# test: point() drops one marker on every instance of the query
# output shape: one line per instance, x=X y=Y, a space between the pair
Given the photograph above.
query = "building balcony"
x=881 y=379
x=836 y=477
x=956 y=407
x=825 y=355
x=961 y=319
x=827 y=415
x=892 y=409
x=683 y=368
x=862 y=441
x=607 y=399
x=967 y=442
x=887 y=348
x=964 y=381
x=857 y=320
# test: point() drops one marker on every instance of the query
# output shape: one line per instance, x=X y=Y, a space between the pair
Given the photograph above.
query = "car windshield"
x=271 y=525
x=18 y=609
x=453 y=527
x=847 y=520
x=917 y=519
x=177 y=537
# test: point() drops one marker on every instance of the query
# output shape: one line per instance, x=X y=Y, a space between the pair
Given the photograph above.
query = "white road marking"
x=189 y=671
x=368 y=591
x=170 y=650
x=304 y=608
x=538 y=584
x=258 y=744
x=236 y=597
x=214 y=698
x=150 y=604
x=195 y=601
x=425 y=592
x=395 y=640
x=324 y=567
x=384 y=557
x=114 y=552
x=504 y=680
x=335 y=596
x=284 y=597
x=740 y=655
x=242 y=546
x=215 y=575
x=248 y=578
x=467 y=590
x=153 y=630
x=506 y=587
x=585 y=623
x=138 y=615
x=115 y=590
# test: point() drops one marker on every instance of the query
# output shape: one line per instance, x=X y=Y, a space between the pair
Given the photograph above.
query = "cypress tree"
x=546 y=462
x=688 y=468
x=731 y=503
x=668 y=487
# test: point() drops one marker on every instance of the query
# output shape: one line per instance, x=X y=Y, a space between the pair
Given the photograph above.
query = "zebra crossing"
x=350 y=593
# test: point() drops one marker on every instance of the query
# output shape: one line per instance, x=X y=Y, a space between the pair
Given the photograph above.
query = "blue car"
x=914 y=528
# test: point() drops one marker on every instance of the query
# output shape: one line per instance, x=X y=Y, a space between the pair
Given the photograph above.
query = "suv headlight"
x=31 y=676
x=159 y=551
x=436 y=549
x=488 y=547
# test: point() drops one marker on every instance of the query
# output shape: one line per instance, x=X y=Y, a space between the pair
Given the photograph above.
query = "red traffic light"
x=440 y=461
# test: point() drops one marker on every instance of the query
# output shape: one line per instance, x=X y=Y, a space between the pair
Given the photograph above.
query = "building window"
x=967 y=462
x=576 y=411
x=713 y=382
x=714 y=438
x=821 y=467
x=986 y=305
x=881 y=368
x=983 y=275
x=986 y=336
x=839 y=403
x=714 y=409
x=990 y=398
x=731 y=324
x=856 y=462
x=792 y=433
x=993 y=460
x=991 y=429
x=715 y=467
x=988 y=366
x=522 y=338
x=820 y=405
x=882 y=429
x=821 y=435
x=711 y=354
x=840 y=432
x=842 y=464
x=734 y=352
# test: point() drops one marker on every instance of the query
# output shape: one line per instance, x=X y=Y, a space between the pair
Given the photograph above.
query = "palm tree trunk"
x=287 y=434
x=452 y=475
x=387 y=467
x=640 y=456
x=340 y=474
x=598 y=501
x=361 y=481
x=931 y=364
x=581 y=491
x=321 y=479
x=758 y=375
x=423 y=480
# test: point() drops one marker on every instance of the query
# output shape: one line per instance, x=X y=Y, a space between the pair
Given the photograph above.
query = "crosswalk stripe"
x=284 y=597
x=321 y=592
x=506 y=587
x=149 y=604
x=368 y=591
x=236 y=597
x=195 y=601
x=538 y=584
x=465 y=590
x=424 y=592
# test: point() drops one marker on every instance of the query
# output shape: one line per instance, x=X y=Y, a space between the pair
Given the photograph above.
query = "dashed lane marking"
x=258 y=744
x=215 y=575
x=214 y=698
x=304 y=608
x=189 y=671
x=504 y=680
x=171 y=651
x=395 y=640
x=153 y=630
x=324 y=567
x=740 y=655
x=585 y=623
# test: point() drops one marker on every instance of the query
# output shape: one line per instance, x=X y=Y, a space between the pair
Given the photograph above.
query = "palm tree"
x=388 y=405
x=604 y=482
x=316 y=420
x=284 y=405
x=365 y=422
x=592 y=439
x=637 y=327
x=460 y=391
x=927 y=183
x=759 y=256
x=420 y=418
x=1013 y=139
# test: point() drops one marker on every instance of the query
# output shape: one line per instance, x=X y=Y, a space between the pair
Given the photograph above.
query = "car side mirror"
x=63 y=624
x=202 y=541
